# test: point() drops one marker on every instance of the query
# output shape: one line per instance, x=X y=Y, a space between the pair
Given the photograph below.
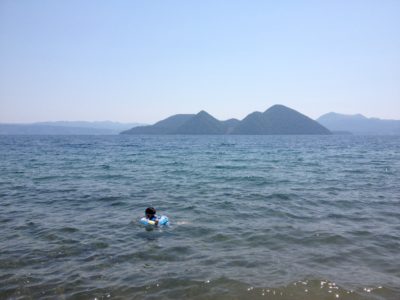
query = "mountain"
x=359 y=124
x=279 y=119
x=251 y=124
x=202 y=123
x=65 y=128
x=276 y=120
x=166 y=126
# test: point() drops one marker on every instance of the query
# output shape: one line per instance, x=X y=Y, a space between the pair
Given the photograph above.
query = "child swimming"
x=152 y=219
x=150 y=213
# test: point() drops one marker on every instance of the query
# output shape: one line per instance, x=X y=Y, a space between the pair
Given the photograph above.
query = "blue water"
x=252 y=217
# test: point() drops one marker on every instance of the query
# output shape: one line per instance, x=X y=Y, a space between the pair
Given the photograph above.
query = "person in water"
x=151 y=215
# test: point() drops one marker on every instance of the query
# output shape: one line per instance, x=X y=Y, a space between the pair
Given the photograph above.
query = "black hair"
x=150 y=211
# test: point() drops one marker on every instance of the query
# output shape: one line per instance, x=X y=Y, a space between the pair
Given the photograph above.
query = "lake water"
x=252 y=217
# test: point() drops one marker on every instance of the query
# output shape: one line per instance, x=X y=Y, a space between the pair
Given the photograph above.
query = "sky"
x=142 y=61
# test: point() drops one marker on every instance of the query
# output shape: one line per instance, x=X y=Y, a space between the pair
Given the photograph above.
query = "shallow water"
x=252 y=217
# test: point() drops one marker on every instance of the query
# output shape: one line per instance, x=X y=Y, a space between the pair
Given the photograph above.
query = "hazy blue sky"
x=141 y=61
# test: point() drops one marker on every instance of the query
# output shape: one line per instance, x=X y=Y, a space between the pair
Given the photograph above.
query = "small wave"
x=183 y=223
x=109 y=198
x=5 y=220
x=100 y=245
x=69 y=229
x=118 y=203
x=275 y=196
x=354 y=171
x=230 y=167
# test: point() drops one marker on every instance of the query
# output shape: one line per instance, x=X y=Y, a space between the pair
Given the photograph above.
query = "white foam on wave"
x=182 y=223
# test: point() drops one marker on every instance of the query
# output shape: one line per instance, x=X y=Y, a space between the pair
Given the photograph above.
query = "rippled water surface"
x=252 y=217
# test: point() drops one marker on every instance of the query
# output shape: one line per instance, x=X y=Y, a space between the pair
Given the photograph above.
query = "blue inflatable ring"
x=162 y=221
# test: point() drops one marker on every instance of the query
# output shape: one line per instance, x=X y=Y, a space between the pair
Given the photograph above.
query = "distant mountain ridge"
x=359 y=124
x=202 y=123
x=96 y=124
x=278 y=119
x=166 y=126
x=66 y=128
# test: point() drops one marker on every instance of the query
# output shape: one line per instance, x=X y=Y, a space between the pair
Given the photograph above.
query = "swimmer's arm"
x=153 y=222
